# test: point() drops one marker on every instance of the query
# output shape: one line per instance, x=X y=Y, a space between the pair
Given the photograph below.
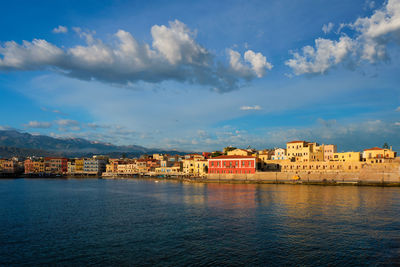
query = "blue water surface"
x=169 y=223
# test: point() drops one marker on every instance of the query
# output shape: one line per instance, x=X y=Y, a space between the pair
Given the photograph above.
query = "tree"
x=385 y=146
x=216 y=154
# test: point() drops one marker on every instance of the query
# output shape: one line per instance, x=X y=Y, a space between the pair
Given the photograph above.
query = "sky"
x=202 y=75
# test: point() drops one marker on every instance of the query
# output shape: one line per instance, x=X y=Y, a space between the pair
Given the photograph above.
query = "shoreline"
x=213 y=181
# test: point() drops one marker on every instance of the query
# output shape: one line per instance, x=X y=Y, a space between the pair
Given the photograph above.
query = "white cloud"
x=327 y=28
x=176 y=43
x=319 y=59
x=398 y=109
x=258 y=62
x=67 y=123
x=174 y=55
x=369 y=43
x=60 y=29
x=30 y=55
x=37 y=124
x=397 y=123
x=257 y=66
x=256 y=107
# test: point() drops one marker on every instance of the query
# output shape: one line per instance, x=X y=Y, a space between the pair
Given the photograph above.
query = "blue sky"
x=202 y=75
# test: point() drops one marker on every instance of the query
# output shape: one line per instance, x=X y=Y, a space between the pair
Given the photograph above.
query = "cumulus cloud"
x=369 y=43
x=327 y=28
x=256 y=107
x=37 y=124
x=173 y=55
x=257 y=64
x=60 y=29
x=319 y=59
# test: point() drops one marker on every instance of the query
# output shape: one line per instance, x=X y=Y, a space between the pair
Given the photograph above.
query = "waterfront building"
x=34 y=165
x=329 y=150
x=188 y=166
x=201 y=167
x=347 y=157
x=10 y=166
x=147 y=165
x=79 y=163
x=175 y=169
x=94 y=165
x=263 y=159
x=234 y=164
x=322 y=166
x=55 y=165
x=71 y=166
x=304 y=151
x=279 y=154
x=378 y=155
x=127 y=168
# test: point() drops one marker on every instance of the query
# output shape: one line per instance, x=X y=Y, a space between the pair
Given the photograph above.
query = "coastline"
x=237 y=180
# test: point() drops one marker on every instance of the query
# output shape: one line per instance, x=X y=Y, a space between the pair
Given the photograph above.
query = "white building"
x=280 y=153
x=94 y=165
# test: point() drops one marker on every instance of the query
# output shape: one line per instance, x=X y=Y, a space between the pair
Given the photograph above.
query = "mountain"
x=16 y=143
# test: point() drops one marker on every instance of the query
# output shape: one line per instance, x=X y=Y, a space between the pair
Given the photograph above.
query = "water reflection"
x=137 y=222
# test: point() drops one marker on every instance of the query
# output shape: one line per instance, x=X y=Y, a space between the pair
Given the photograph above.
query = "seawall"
x=367 y=177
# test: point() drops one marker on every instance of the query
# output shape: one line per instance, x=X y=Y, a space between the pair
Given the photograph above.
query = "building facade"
x=279 y=154
x=329 y=150
x=234 y=164
x=55 y=165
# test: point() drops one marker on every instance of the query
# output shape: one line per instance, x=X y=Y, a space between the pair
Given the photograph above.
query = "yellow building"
x=378 y=155
x=38 y=166
x=175 y=169
x=127 y=168
x=304 y=151
x=239 y=152
x=188 y=166
x=194 y=166
x=79 y=165
x=346 y=157
x=201 y=167
x=322 y=166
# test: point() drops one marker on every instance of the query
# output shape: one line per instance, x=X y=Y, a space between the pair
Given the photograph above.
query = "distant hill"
x=15 y=143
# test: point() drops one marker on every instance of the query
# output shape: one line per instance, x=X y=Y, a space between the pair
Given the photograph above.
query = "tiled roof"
x=233 y=157
x=296 y=142
x=374 y=148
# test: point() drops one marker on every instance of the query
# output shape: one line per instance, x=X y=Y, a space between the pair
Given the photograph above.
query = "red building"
x=56 y=165
x=232 y=164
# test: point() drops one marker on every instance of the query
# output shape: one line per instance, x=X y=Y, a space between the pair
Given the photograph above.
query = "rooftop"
x=234 y=157
x=375 y=148
x=298 y=141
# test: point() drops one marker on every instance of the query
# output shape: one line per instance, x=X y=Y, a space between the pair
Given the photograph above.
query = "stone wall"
x=370 y=175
